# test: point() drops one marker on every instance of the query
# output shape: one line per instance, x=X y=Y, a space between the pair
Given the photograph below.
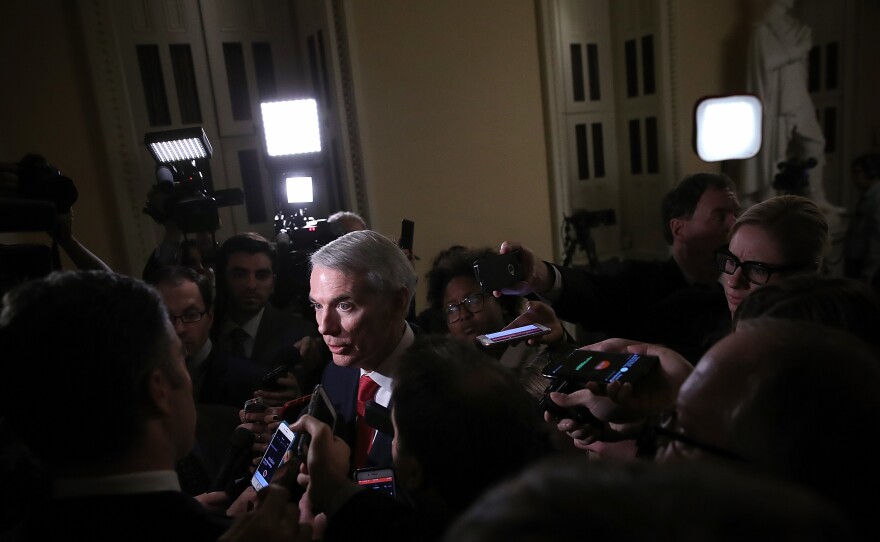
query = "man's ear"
x=409 y=472
x=160 y=390
x=677 y=226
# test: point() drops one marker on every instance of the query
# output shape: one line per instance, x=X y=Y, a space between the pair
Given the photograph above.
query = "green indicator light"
x=581 y=365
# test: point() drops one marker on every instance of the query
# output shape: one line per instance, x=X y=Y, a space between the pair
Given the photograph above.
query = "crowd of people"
x=752 y=425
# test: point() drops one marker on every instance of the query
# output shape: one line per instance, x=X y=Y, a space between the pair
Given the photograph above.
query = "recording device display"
x=321 y=408
x=602 y=367
x=515 y=334
x=273 y=457
x=377 y=479
x=499 y=271
x=407 y=228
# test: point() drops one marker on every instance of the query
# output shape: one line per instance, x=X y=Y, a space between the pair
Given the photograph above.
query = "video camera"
x=297 y=232
x=183 y=182
x=794 y=176
x=181 y=196
x=36 y=179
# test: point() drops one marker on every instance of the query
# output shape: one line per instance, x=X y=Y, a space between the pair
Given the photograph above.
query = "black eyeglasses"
x=755 y=272
x=187 y=317
x=473 y=303
x=663 y=430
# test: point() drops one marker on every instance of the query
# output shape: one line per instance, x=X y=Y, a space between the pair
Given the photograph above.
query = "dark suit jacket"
x=168 y=516
x=607 y=302
x=228 y=379
x=341 y=385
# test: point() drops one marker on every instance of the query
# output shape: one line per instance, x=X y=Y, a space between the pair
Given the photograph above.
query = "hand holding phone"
x=602 y=367
x=500 y=271
x=320 y=408
x=273 y=457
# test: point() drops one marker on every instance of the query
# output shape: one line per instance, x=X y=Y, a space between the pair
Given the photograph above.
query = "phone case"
x=515 y=334
x=499 y=271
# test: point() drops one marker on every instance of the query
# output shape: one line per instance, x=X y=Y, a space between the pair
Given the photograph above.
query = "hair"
x=374 y=256
x=248 y=242
x=95 y=337
x=804 y=411
x=460 y=263
x=838 y=302
x=797 y=224
x=568 y=498
x=342 y=215
x=463 y=417
x=869 y=164
x=682 y=200
x=178 y=274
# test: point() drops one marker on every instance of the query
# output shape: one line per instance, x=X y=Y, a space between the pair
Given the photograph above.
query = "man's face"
x=360 y=327
x=185 y=300
x=250 y=281
x=183 y=430
x=708 y=228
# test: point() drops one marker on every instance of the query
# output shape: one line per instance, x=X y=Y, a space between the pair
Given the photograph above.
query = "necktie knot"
x=367 y=388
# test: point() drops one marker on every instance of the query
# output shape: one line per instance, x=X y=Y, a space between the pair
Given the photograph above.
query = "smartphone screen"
x=515 y=334
x=378 y=479
x=273 y=457
x=604 y=367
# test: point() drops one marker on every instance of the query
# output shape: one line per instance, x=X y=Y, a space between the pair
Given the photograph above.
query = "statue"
x=793 y=143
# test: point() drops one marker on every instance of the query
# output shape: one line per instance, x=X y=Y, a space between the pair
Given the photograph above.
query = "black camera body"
x=298 y=232
x=40 y=180
x=794 y=176
x=181 y=196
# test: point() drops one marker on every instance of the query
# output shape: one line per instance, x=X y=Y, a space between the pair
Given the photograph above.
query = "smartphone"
x=270 y=379
x=273 y=456
x=378 y=479
x=321 y=408
x=514 y=334
x=255 y=405
x=602 y=367
x=407 y=227
x=499 y=271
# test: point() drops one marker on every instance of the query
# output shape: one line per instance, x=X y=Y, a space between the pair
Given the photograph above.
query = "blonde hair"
x=797 y=223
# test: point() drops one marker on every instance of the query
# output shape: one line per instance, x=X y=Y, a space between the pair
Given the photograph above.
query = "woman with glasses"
x=468 y=311
x=778 y=237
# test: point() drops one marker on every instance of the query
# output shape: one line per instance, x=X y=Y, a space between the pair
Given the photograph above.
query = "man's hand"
x=274 y=519
x=538 y=278
x=325 y=471
x=540 y=313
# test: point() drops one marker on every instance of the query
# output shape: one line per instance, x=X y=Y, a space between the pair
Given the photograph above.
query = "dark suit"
x=341 y=385
x=169 y=516
x=227 y=379
x=278 y=330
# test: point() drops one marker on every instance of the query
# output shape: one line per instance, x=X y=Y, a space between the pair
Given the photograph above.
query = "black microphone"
x=239 y=447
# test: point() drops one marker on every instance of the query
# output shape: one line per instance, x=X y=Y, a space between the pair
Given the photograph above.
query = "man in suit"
x=697 y=217
x=247 y=323
x=361 y=287
x=108 y=352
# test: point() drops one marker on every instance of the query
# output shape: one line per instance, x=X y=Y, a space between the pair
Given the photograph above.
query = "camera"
x=181 y=196
x=297 y=232
x=794 y=176
x=37 y=179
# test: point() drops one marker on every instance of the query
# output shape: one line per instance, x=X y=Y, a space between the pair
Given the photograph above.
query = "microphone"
x=239 y=445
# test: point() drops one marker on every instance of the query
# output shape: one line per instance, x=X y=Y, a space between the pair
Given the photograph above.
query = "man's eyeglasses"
x=663 y=430
x=755 y=272
x=187 y=317
x=473 y=303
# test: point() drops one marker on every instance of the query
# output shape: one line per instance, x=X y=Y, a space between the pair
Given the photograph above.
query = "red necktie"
x=367 y=388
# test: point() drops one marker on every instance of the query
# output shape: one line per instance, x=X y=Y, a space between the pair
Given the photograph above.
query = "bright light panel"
x=291 y=127
x=299 y=190
x=728 y=128
x=179 y=150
